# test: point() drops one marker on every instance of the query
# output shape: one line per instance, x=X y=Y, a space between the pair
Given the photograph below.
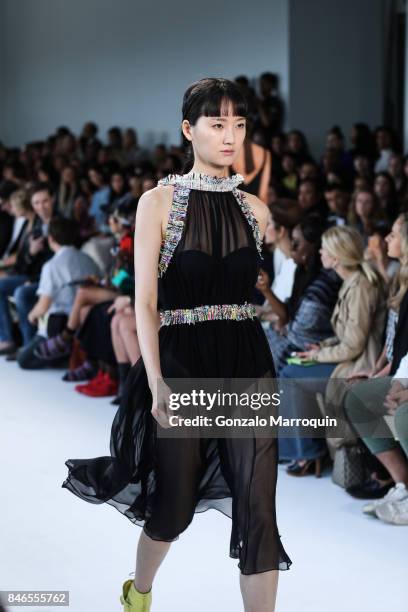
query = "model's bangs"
x=220 y=104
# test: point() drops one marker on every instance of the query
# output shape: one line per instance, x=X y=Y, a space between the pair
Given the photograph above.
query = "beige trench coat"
x=358 y=321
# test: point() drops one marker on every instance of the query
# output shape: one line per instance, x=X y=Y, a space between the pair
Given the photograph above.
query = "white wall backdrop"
x=127 y=62
x=336 y=70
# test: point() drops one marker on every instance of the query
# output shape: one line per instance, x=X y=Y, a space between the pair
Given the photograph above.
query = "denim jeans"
x=308 y=380
x=8 y=285
x=26 y=298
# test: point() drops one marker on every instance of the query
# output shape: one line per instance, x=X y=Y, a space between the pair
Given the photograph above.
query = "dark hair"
x=271 y=77
x=285 y=213
x=312 y=228
x=209 y=98
x=63 y=231
x=42 y=186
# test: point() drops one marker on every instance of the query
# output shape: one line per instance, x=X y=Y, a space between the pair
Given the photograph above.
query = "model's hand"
x=160 y=405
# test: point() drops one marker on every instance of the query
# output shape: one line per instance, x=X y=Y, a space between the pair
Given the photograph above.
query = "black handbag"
x=350 y=466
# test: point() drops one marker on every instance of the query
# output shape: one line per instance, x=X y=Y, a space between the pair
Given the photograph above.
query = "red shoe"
x=106 y=387
x=94 y=381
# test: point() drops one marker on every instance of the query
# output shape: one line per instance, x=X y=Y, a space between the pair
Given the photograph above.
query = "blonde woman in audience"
x=358 y=323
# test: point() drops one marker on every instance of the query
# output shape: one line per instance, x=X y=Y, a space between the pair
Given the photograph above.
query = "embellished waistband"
x=235 y=312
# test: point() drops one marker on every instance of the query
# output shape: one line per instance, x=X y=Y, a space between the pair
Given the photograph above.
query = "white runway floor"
x=50 y=539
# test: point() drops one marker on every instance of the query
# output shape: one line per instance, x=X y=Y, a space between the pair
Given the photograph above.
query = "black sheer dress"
x=211 y=255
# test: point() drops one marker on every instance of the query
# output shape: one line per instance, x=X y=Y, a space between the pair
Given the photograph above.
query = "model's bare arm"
x=148 y=237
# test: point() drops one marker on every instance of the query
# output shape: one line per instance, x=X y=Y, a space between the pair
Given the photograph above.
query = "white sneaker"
x=394 y=512
x=395 y=494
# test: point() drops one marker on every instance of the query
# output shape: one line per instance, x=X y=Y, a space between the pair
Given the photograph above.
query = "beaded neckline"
x=203 y=182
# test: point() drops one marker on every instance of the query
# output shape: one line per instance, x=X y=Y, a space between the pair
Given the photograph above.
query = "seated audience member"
x=290 y=175
x=366 y=403
x=395 y=346
x=396 y=172
x=385 y=148
x=309 y=170
x=338 y=201
x=100 y=196
x=335 y=142
x=297 y=146
x=358 y=323
x=365 y=213
x=378 y=253
x=58 y=283
x=67 y=192
x=24 y=215
x=86 y=222
x=6 y=219
x=283 y=216
x=305 y=243
x=120 y=279
x=363 y=141
x=385 y=191
x=362 y=167
x=310 y=200
x=21 y=281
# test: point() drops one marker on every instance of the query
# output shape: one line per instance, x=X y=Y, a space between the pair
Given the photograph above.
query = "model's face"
x=393 y=241
x=216 y=140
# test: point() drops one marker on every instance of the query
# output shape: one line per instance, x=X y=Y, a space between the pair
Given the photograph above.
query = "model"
x=197 y=245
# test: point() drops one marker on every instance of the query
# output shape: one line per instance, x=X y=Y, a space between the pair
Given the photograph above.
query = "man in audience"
x=60 y=278
x=22 y=281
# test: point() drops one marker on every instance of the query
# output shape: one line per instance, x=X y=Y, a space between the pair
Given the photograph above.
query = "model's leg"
x=179 y=468
x=259 y=591
x=149 y=556
x=249 y=466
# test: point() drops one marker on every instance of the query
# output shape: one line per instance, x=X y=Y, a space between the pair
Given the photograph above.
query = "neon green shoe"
x=132 y=600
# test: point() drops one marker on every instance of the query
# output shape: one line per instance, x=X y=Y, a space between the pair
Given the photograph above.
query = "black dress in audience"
x=6 y=230
x=31 y=264
x=400 y=347
x=94 y=335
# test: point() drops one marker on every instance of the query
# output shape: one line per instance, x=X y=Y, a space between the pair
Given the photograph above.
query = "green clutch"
x=300 y=361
